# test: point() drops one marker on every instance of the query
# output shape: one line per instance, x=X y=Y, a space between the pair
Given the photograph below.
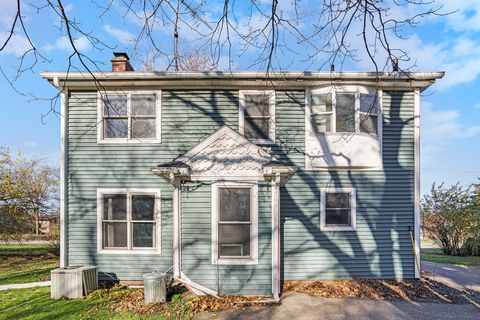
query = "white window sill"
x=134 y=141
x=133 y=252
x=233 y=261
x=338 y=228
x=262 y=142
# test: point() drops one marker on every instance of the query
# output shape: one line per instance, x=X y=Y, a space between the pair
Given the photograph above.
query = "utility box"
x=155 y=287
x=73 y=282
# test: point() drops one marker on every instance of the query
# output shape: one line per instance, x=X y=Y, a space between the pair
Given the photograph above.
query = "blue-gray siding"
x=385 y=210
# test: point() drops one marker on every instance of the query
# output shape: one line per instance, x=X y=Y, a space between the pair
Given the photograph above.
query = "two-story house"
x=238 y=181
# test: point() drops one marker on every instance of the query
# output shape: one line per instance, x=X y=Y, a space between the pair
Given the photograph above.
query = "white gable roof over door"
x=226 y=153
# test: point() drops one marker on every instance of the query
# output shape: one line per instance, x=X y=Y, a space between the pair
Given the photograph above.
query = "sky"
x=450 y=109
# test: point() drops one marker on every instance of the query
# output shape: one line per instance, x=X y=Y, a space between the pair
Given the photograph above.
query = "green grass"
x=436 y=255
x=26 y=263
x=24 y=249
x=37 y=304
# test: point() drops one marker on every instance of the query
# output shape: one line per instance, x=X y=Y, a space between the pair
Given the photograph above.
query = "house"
x=238 y=181
x=48 y=223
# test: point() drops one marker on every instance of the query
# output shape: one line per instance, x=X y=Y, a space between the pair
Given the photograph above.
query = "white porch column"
x=276 y=236
x=176 y=227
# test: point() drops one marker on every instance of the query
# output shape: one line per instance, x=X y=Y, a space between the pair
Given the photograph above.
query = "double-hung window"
x=257 y=115
x=128 y=220
x=346 y=110
x=338 y=209
x=129 y=117
x=234 y=223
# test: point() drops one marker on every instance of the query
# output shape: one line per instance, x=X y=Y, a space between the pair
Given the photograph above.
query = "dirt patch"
x=425 y=290
x=181 y=304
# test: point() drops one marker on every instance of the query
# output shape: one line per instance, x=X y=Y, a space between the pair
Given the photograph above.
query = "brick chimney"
x=120 y=62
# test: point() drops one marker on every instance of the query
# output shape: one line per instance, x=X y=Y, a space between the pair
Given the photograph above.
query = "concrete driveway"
x=457 y=277
x=301 y=306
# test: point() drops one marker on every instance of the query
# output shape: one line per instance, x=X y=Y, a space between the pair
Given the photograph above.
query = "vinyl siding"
x=380 y=247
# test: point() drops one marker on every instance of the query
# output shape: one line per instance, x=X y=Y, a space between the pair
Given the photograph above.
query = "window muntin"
x=257 y=116
x=350 y=110
x=130 y=117
x=129 y=220
x=338 y=209
x=234 y=223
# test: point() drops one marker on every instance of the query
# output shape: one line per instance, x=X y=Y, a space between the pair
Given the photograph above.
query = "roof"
x=238 y=79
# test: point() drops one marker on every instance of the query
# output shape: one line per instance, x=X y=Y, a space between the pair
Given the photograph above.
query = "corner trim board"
x=417 y=181
x=63 y=177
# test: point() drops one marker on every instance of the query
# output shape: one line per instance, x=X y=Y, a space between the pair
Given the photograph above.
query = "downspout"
x=276 y=257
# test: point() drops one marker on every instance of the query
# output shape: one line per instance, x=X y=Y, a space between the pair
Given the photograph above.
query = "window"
x=234 y=223
x=257 y=116
x=338 y=209
x=128 y=220
x=346 y=110
x=129 y=117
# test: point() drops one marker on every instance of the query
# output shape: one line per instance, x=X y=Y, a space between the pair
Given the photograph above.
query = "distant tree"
x=450 y=217
x=28 y=187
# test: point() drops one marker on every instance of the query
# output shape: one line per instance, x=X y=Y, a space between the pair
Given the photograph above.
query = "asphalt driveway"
x=457 y=277
x=301 y=306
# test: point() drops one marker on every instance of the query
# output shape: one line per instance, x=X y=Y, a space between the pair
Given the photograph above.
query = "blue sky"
x=450 y=132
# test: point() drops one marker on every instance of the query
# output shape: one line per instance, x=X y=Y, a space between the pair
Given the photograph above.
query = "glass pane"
x=321 y=123
x=257 y=105
x=143 y=128
x=114 y=234
x=143 y=104
x=143 y=207
x=116 y=128
x=114 y=207
x=234 y=204
x=369 y=103
x=368 y=123
x=234 y=240
x=257 y=128
x=337 y=217
x=338 y=200
x=345 y=112
x=115 y=105
x=321 y=103
x=143 y=235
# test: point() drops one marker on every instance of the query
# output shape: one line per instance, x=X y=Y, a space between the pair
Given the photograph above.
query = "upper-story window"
x=257 y=115
x=129 y=117
x=344 y=110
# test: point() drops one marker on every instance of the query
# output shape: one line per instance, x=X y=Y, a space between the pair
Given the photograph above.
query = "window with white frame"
x=338 y=209
x=352 y=109
x=234 y=223
x=257 y=115
x=128 y=220
x=129 y=116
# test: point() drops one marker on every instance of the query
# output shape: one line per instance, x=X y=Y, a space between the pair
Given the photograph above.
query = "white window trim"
x=100 y=122
x=129 y=192
x=334 y=90
x=241 y=115
x=353 y=210
x=253 y=260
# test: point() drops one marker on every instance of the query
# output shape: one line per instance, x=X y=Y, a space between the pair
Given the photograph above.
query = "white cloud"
x=441 y=128
x=477 y=105
x=63 y=43
x=122 y=36
x=17 y=45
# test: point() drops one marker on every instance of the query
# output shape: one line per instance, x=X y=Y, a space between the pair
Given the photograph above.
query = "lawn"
x=26 y=263
x=436 y=255
x=101 y=304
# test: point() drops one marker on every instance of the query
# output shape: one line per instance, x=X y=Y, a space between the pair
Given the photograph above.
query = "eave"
x=238 y=80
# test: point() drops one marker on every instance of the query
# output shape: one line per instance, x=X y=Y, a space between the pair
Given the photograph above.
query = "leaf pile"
x=425 y=290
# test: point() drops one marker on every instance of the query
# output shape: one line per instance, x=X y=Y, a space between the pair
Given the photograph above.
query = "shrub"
x=451 y=219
